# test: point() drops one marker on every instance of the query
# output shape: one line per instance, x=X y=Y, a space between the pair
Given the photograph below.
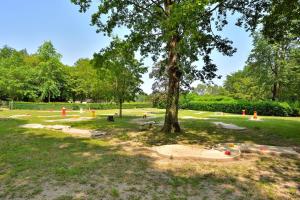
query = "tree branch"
x=140 y=7
x=158 y=5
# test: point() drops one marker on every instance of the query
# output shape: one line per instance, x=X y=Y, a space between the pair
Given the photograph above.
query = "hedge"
x=77 y=106
x=267 y=108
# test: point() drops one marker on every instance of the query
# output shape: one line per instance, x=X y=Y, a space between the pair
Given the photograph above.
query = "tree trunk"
x=171 y=116
x=120 y=108
x=274 y=92
x=48 y=97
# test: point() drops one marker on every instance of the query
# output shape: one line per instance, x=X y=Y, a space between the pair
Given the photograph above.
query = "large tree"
x=178 y=33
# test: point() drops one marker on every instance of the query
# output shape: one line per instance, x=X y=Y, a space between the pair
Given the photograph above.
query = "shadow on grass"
x=196 y=131
x=101 y=123
x=31 y=159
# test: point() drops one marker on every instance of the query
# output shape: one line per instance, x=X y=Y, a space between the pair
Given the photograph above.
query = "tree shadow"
x=33 y=162
x=203 y=132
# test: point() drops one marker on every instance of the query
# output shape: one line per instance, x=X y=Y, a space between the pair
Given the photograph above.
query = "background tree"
x=269 y=64
x=15 y=75
x=50 y=71
x=272 y=72
x=209 y=89
x=87 y=83
x=241 y=85
x=282 y=21
x=123 y=72
x=178 y=32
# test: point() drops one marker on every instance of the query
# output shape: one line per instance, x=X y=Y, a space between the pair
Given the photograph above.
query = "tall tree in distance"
x=50 y=72
x=268 y=62
x=48 y=52
x=118 y=66
x=179 y=33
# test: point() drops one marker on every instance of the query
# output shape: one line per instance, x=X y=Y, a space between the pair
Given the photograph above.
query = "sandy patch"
x=189 y=117
x=200 y=118
x=50 y=116
x=57 y=127
x=144 y=121
x=35 y=126
x=177 y=151
x=200 y=113
x=67 y=129
x=267 y=149
x=71 y=119
x=228 y=126
x=19 y=116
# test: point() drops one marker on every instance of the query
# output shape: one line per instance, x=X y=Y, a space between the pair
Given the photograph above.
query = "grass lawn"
x=46 y=164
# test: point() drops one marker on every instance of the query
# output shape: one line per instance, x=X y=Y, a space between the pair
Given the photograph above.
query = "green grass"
x=45 y=164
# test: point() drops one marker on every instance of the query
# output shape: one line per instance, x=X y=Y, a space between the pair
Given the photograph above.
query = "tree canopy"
x=271 y=72
x=123 y=71
x=42 y=76
x=178 y=33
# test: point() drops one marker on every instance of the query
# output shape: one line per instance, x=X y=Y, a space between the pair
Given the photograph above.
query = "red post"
x=244 y=112
x=63 y=112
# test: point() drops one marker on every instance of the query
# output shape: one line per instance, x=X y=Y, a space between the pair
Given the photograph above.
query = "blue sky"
x=26 y=24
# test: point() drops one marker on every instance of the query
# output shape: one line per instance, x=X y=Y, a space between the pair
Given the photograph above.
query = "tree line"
x=272 y=72
x=112 y=75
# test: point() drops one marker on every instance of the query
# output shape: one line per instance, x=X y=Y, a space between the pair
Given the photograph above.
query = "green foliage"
x=209 y=89
x=267 y=108
x=154 y=25
x=196 y=97
x=227 y=104
x=118 y=65
x=176 y=34
x=86 y=83
x=75 y=106
x=272 y=72
x=123 y=72
x=159 y=100
x=283 y=20
x=241 y=85
x=42 y=76
x=47 y=52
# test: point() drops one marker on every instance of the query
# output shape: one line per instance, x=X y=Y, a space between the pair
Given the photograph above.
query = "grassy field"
x=46 y=164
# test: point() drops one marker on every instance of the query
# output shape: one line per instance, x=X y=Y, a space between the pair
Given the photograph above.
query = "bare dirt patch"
x=79 y=119
x=228 y=126
x=67 y=129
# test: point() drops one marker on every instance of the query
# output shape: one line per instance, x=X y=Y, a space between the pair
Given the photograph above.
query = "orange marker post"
x=63 y=112
x=255 y=115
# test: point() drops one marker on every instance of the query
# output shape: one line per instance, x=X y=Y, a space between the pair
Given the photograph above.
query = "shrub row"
x=229 y=105
x=267 y=108
x=76 y=106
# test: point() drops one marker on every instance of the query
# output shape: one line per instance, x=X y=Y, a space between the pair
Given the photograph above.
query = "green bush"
x=196 y=97
x=267 y=108
x=77 y=106
x=230 y=105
